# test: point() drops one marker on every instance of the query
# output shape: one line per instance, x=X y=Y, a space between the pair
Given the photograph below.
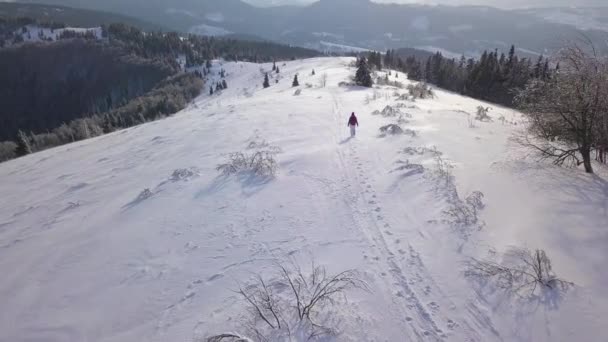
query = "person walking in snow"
x=352 y=123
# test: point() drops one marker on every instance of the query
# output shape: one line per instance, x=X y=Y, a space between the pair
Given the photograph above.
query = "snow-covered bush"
x=298 y=92
x=292 y=305
x=391 y=129
x=388 y=111
x=184 y=174
x=420 y=91
x=394 y=129
x=521 y=271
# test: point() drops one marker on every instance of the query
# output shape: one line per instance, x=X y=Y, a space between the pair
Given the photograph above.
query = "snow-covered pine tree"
x=295 y=83
x=23 y=144
x=363 y=77
x=277 y=70
x=313 y=72
x=266 y=81
x=211 y=90
x=224 y=84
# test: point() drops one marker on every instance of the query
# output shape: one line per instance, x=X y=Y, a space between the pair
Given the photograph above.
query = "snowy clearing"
x=135 y=236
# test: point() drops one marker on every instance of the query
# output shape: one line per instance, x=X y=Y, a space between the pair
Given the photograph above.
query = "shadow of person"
x=346 y=140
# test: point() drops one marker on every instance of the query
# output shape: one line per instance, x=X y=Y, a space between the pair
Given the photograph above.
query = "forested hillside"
x=51 y=83
x=74 y=85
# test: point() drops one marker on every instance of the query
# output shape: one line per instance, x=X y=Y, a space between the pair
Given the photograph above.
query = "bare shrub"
x=482 y=114
x=412 y=151
x=297 y=92
x=261 y=163
x=420 y=91
x=523 y=271
x=387 y=82
x=229 y=337
x=293 y=305
x=465 y=213
x=443 y=168
x=412 y=169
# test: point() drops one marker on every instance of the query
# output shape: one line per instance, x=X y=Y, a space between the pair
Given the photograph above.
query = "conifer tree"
x=363 y=77
x=211 y=90
x=277 y=70
x=295 y=83
x=224 y=84
x=266 y=81
x=313 y=72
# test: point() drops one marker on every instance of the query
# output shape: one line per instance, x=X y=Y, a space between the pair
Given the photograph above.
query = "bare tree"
x=528 y=271
x=567 y=109
x=300 y=312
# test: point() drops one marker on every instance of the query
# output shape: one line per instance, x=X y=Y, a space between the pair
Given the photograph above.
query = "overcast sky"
x=494 y=3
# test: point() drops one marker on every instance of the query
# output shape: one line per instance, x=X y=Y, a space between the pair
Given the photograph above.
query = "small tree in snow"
x=266 y=81
x=313 y=72
x=363 y=77
x=295 y=81
x=211 y=90
x=277 y=70
x=23 y=144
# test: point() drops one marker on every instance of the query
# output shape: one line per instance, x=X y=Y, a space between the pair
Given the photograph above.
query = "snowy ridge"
x=135 y=236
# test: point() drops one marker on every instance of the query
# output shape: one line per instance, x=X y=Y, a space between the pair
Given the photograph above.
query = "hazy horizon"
x=514 y=4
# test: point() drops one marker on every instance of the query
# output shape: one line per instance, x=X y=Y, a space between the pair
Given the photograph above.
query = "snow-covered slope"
x=87 y=255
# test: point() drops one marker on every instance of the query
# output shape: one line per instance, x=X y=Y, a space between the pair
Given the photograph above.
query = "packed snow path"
x=87 y=255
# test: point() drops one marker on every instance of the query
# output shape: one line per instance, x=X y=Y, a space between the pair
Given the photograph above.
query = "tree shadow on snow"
x=250 y=184
x=583 y=199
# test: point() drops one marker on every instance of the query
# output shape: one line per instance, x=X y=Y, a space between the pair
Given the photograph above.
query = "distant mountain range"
x=364 y=24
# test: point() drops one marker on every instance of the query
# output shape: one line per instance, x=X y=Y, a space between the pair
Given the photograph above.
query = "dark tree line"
x=168 y=97
x=52 y=83
x=78 y=87
x=494 y=77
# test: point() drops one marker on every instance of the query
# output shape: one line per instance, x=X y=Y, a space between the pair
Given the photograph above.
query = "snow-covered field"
x=84 y=257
